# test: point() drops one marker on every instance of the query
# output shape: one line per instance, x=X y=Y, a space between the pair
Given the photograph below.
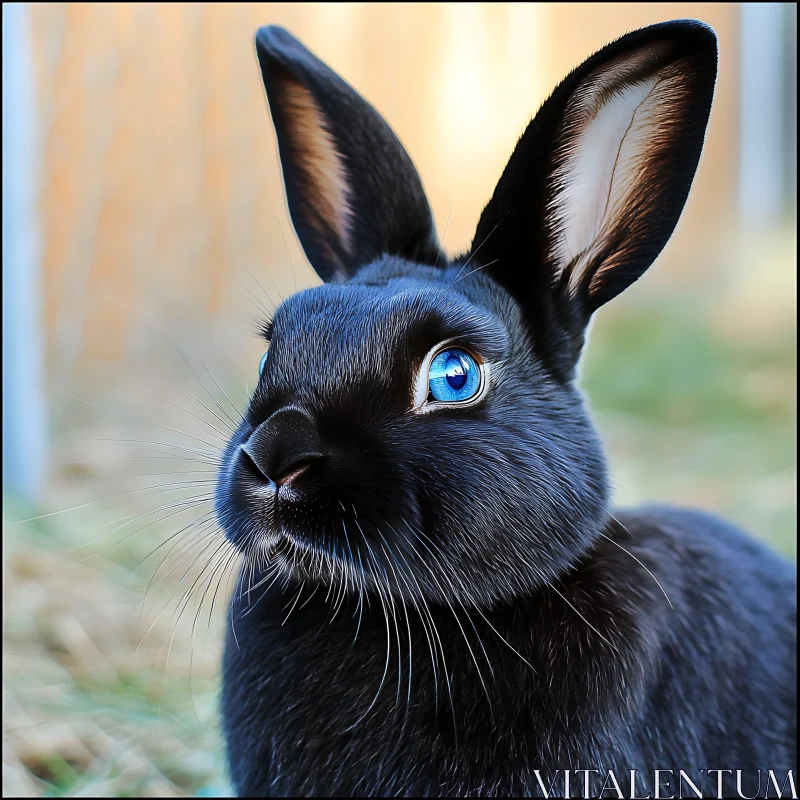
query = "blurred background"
x=145 y=232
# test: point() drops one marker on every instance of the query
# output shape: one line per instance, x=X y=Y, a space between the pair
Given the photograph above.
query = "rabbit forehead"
x=341 y=333
x=364 y=317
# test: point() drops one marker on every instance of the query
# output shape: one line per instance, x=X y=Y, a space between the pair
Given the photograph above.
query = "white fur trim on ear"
x=612 y=133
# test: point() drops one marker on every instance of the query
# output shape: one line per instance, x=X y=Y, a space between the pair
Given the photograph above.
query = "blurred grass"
x=675 y=431
x=694 y=393
x=87 y=712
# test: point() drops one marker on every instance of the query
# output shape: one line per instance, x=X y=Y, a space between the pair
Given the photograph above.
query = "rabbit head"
x=416 y=426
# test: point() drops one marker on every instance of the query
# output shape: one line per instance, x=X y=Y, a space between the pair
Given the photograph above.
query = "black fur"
x=390 y=211
x=442 y=603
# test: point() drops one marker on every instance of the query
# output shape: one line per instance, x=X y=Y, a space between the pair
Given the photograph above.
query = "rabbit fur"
x=437 y=598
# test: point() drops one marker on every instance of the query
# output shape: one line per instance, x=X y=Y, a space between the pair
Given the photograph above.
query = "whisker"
x=274 y=574
x=207 y=533
x=223 y=422
x=158 y=616
x=644 y=566
x=202 y=518
x=386 y=549
x=431 y=648
x=505 y=642
x=455 y=615
x=131 y=458
x=607 y=641
x=103 y=499
x=183 y=602
x=203 y=387
x=274 y=285
x=435 y=631
x=441 y=245
x=472 y=271
x=142 y=418
x=259 y=306
x=183 y=605
x=299 y=592
x=210 y=394
x=235 y=410
x=224 y=433
x=181 y=505
x=201 y=528
x=266 y=294
x=210 y=457
x=285 y=243
x=220 y=562
x=475 y=252
x=388 y=644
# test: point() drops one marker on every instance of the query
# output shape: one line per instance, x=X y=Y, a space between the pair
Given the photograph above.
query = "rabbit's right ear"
x=353 y=192
x=598 y=180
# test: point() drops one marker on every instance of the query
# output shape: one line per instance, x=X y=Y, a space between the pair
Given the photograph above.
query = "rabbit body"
x=708 y=683
x=436 y=598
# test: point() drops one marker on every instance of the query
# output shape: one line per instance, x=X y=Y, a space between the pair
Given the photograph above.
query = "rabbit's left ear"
x=598 y=180
x=353 y=192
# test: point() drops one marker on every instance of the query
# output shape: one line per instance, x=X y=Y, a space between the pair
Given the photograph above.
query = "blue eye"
x=454 y=376
x=262 y=363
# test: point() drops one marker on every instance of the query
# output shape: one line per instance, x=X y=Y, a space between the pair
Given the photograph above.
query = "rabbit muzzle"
x=284 y=447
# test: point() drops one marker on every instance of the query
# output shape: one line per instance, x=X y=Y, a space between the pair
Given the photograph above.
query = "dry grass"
x=88 y=712
x=108 y=690
x=110 y=678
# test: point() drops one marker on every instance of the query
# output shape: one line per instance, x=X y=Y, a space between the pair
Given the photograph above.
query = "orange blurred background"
x=161 y=180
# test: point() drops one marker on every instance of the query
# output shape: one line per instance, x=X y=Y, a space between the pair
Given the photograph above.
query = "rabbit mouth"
x=305 y=536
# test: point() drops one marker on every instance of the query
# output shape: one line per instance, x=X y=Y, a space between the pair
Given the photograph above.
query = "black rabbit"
x=435 y=597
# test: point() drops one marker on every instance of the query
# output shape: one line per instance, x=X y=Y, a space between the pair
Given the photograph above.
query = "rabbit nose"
x=284 y=446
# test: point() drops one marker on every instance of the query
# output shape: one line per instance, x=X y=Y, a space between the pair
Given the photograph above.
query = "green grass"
x=691 y=417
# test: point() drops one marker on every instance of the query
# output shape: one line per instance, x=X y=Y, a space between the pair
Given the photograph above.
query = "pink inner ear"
x=614 y=130
x=326 y=192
